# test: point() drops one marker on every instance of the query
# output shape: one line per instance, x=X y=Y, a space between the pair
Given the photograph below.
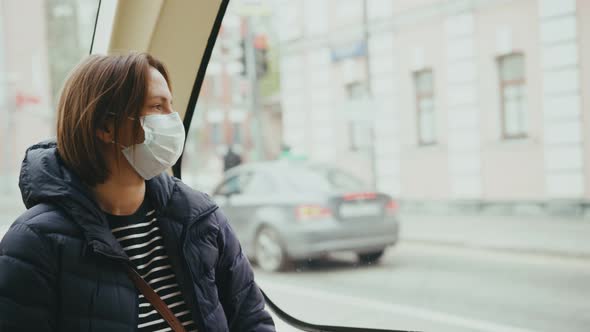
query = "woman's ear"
x=105 y=134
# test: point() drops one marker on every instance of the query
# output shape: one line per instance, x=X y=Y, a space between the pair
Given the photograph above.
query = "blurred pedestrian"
x=105 y=222
x=231 y=159
x=285 y=151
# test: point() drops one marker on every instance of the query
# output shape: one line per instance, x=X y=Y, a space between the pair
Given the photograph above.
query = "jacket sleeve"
x=27 y=275
x=240 y=297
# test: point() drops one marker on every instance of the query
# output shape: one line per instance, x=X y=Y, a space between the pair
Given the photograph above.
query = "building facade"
x=40 y=41
x=448 y=103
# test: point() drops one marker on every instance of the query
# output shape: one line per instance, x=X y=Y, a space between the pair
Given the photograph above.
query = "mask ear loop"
x=113 y=141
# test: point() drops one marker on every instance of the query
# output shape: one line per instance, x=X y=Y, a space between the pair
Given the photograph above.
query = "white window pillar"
x=562 y=121
x=294 y=102
x=464 y=142
x=386 y=117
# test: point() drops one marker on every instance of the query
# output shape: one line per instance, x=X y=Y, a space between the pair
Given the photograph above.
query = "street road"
x=439 y=288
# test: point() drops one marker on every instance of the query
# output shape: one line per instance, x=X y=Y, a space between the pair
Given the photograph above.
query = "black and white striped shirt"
x=141 y=239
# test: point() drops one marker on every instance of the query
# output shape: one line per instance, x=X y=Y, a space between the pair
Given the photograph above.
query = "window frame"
x=502 y=85
x=137 y=12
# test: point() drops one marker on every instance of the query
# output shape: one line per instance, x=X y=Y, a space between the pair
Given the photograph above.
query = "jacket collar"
x=44 y=178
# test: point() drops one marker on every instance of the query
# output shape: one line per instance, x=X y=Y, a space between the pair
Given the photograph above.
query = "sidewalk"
x=542 y=235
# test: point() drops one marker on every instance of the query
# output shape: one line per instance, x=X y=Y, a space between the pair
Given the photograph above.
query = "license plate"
x=360 y=210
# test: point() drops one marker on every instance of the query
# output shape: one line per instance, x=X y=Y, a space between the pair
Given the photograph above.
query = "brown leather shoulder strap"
x=155 y=300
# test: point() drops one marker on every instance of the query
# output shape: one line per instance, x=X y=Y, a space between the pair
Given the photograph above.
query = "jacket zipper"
x=125 y=261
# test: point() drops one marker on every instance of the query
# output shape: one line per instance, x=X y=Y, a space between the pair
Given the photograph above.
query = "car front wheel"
x=269 y=252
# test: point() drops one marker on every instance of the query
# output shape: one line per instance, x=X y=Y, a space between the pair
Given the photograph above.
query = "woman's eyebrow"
x=162 y=98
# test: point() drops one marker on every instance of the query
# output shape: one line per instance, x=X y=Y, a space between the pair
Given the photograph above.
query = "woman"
x=99 y=202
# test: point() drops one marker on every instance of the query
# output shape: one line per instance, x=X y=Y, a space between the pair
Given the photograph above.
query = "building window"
x=237 y=133
x=216 y=133
x=512 y=96
x=359 y=133
x=426 y=120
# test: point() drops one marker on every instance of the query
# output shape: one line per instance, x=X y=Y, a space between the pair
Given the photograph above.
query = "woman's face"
x=158 y=101
x=158 y=98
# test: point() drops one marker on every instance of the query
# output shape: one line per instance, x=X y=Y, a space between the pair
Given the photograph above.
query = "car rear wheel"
x=269 y=251
x=370 y=257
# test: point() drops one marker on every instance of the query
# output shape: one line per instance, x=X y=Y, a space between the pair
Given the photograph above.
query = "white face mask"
x=163 y=144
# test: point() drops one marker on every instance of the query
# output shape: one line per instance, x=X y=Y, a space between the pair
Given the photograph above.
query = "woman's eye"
x=158 y=107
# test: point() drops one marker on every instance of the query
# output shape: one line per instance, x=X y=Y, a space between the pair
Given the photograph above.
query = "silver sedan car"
x=284 y=210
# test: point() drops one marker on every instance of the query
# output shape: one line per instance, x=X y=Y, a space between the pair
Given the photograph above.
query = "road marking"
x=405 y=310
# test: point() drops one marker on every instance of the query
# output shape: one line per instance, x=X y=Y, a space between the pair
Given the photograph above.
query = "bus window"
x=428 y=158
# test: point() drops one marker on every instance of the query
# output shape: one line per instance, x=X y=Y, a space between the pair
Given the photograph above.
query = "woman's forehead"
x=157 y=85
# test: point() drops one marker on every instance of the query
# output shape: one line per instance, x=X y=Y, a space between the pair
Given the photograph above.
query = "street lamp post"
x=372 y=154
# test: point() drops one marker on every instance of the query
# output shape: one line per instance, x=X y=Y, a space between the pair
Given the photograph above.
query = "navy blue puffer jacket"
x=61 y=269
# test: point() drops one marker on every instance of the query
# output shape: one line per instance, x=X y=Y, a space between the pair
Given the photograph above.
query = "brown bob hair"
x=101 y=88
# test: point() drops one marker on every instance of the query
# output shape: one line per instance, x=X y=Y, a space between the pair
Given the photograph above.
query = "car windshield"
x=318 y=179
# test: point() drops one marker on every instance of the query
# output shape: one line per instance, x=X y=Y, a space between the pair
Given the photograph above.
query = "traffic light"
x=261 y=54
x=259 y=50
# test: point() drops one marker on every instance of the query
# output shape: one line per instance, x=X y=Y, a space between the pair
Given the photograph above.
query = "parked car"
x=284 y=211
